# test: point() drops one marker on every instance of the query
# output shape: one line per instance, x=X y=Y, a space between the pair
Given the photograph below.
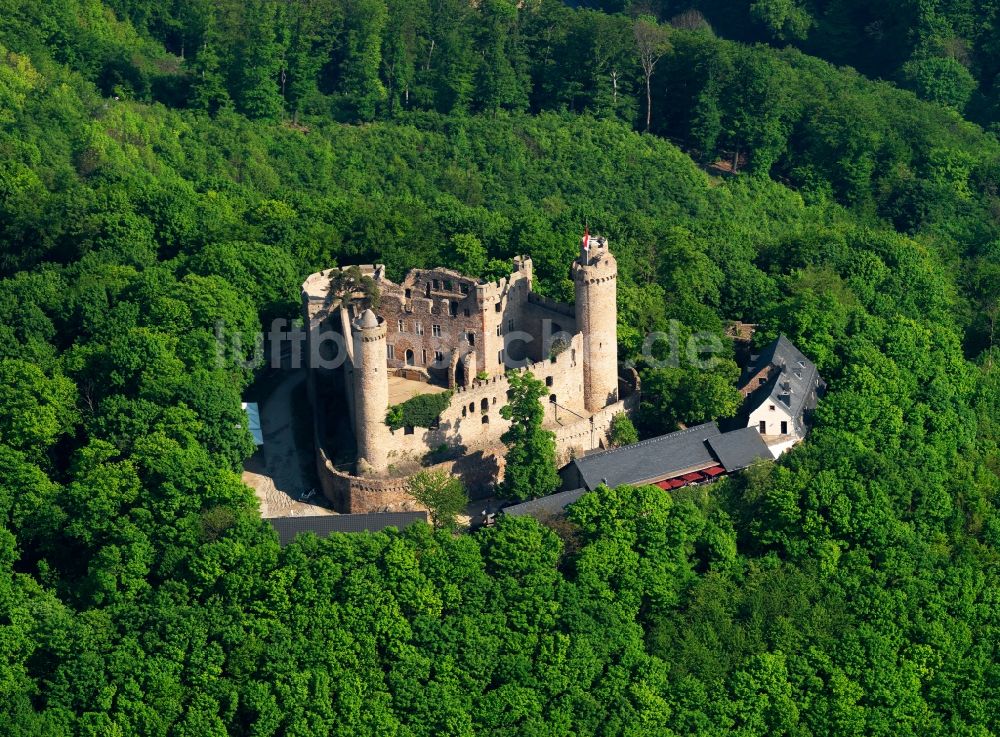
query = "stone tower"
x=371 y=391
x=595 y=276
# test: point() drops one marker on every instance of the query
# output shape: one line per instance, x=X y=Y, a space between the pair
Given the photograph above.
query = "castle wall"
x=442 y=326
x=462 y=423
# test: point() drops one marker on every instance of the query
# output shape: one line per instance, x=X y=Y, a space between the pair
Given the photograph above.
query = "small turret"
x=595 y=277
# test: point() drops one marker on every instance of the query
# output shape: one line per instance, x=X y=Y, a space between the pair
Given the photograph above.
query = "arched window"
x=485 y=405
x=486 y=419
x=409 y=357
x=548 y=381
x=552 y=398
x=409 y=293
x=472 y=406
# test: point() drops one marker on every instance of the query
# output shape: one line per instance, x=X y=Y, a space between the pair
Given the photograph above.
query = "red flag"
x=586 y=238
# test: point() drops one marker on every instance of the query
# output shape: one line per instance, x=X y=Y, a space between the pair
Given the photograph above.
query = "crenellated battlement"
x=439 y=329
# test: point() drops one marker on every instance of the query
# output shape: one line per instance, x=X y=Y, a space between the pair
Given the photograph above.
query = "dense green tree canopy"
x=167 y=168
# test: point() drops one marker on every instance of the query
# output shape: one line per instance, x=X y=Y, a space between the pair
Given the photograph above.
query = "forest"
x=167 y=166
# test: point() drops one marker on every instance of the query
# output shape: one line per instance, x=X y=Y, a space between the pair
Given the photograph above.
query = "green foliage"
x=622 y=431
x=349 y=284
x=34 y=409
x=442 y=494
x=530 y=467
x=939 y=79
x=848 y=588
x=422 y=410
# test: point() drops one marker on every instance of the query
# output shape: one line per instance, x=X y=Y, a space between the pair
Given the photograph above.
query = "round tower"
x=371 y=390
x=595 y=276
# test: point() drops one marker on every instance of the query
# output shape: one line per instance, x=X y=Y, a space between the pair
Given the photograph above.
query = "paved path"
x=278 y=473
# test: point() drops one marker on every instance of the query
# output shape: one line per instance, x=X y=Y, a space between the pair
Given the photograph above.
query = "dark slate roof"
x=546 y=506
x=796 y=385
x=648 y=460
x=738 y=449
x=288 y=527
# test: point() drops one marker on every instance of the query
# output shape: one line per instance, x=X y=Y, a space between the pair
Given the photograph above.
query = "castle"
x=439 y=331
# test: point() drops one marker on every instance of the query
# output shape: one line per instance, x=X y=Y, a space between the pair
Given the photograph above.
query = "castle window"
x=438 y=356
x=472 y=406
x=485 y=405
x=453 y=308
x=391 y=351
x=464 y=288
x=437 y=284
x=408 y=430
x=449 y=286
x=771 y=407
x=427 y=289
x=464 y=412
x=500 y=357
x=548 y=381
x=409 y=357
x=409 y=293
x=762 y=427
x=418 y=328
x=471 y=337
x=552 y=398
x=436 y=331
x=401 y=325
x=499 y=330
x=486 y=419
x=498 y=306
x=423 y=356
x=784 y=427
x=510 y=325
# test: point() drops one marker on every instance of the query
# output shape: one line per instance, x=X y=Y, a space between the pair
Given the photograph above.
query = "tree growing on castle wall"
x=422 y=410
x=531 y=450
x=622 y=431
x=443 y=494
x=346 y=283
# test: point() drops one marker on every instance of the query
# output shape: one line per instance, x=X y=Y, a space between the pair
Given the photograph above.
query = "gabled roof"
x=649 y=460
x=547 y=506
x=322 y=525
x=738 y=449
x=794 y=385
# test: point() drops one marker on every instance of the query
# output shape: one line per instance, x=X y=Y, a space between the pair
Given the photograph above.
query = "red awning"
x=675 y=483
x=693 y=476
x=664 y=484
x=714 y=471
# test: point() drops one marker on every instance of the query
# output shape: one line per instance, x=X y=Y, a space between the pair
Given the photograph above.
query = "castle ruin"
x=440 y=331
